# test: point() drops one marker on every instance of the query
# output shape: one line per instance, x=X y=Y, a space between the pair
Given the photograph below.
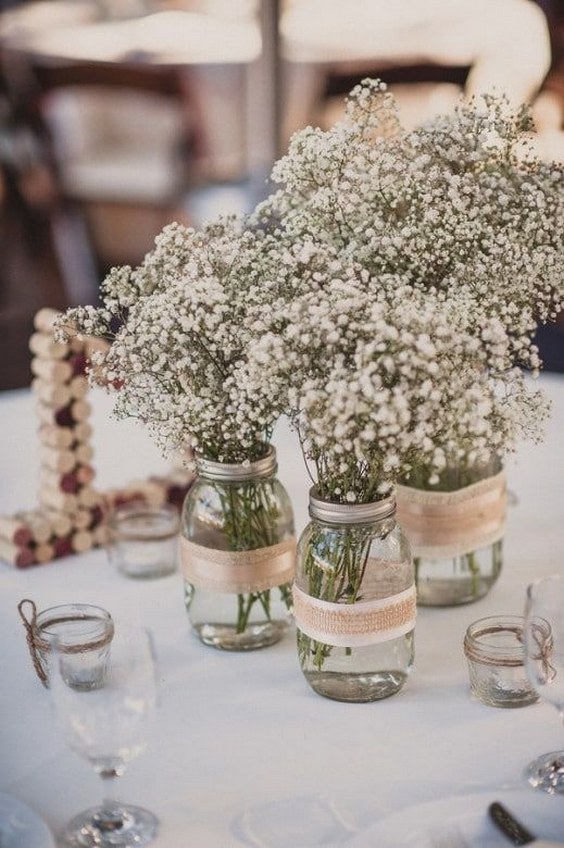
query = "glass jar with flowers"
x=237 y=553
x=459 y=206
x=456 y=529
x=181 y=327
x=354 y=600
x=367 y=378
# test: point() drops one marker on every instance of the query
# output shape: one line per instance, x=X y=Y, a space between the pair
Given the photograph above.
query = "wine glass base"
x=547 y=773
x=136 y=826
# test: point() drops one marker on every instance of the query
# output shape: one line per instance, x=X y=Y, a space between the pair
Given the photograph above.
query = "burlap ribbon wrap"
x=440 y=525
x=358 y=624
x=238 y=572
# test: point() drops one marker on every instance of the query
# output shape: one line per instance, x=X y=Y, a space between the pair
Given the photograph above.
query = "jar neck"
x=329 y=512
x=496 y=640
x=226 y=472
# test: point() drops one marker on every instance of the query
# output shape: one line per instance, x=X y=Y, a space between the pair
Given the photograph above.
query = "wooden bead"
x=82 y=541
x=14 y=531
x=80 y=410
x=82 y=431
x=39 y=527
x=84 y=473
x=54 y=370
x=81 y=518
x=21 y=557
x=57 y=500
x=84 y=453
x=44 y=345
x=78 y=363
x=61 y=460
x=61 y=523
x=52 y=394
x=45 y=319
x=88 y=498
x=57 y=416
x=44 y=552
x=78 y=387
x=56 y=437
x=63 y=546
x=67 y=483
x=64 y=416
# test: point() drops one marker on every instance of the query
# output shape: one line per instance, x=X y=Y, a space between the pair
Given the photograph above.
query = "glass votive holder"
x=144 y=540
x=494 y=651
x=83 y=635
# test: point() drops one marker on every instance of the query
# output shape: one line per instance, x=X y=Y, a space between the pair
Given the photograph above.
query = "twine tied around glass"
x=31 y=638
x=497 y=659
x=541 y=634
x=39 y=647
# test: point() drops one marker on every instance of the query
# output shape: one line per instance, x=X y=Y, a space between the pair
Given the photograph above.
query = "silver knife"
x=514 y=830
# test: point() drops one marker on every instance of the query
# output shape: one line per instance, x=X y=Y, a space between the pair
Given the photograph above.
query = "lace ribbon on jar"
x=440 y=525
x=358 y=624
x=238 y=572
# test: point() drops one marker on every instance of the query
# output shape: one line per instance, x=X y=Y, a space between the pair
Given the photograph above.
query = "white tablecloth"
x=241 y=739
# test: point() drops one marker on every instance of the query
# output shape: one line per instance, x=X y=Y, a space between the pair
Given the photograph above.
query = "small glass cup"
x=144 y=540
x=494 y=650
x=84 y=634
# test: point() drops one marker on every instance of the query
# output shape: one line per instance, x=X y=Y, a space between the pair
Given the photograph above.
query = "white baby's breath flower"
x=385 y=298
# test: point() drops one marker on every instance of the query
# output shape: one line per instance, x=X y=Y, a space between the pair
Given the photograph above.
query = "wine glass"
x=106 y=724
x=544 y=659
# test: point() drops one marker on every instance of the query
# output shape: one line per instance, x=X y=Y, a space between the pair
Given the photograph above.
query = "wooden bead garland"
x=70 y=517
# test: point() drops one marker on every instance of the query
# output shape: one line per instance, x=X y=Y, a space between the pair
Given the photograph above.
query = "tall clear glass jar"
x=354 y=601
x=238 y=554
x=456 y=533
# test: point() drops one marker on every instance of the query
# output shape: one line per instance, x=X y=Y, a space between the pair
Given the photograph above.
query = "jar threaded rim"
x=238 y=472
x=479 y=650
x=333 y=512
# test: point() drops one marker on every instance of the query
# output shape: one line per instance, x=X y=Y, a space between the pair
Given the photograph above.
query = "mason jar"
x=238 y=554
x=354 y=600
x=456 y=531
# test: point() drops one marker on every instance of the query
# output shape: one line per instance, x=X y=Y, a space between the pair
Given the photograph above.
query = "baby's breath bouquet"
x=381 y=379
x=457 y=206
x=181 y=326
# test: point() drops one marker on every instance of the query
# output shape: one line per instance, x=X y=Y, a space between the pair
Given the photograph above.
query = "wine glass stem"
x=110 y=816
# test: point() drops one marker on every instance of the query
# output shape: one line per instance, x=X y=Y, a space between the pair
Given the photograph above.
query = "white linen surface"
x=244 y=753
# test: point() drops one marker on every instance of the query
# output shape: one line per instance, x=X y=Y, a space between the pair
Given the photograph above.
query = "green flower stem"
x=471 y=561
x=251 y=516
x=334 y=573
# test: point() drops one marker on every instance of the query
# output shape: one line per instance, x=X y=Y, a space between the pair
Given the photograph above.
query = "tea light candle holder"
x=494 y=651
x=83 y=634
x=143 y=540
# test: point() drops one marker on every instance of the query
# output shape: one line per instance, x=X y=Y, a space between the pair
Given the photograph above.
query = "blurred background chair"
x=122 y=140
x=428 y=51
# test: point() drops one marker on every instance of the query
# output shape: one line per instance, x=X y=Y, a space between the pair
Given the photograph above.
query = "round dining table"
x=243 y=752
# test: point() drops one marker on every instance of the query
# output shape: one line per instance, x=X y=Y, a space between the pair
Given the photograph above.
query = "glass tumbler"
x=144 y=540
x=495 y=654
x=84 y=634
